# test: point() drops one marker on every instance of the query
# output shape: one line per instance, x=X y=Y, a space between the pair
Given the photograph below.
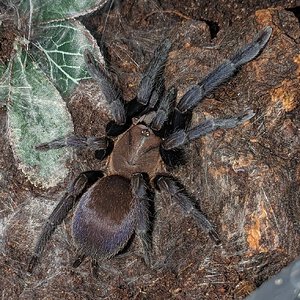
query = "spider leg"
x=111 y=93
x=103 y=146
x=153 y=73
x=160 y=125
x=224 y=71
x=172 y=158
x=68 y=201
x=140 y=192
x=164 y=108
x=75 y=141
x=95 y=268
x=157 y=94
x=181 y=137
x=78 y=260
x=150 y=90
x=218 y=76
x=94 y=264
x=179 y=195
x=135 y=109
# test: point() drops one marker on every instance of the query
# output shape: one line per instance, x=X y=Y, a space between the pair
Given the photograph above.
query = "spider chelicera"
x=142 y=143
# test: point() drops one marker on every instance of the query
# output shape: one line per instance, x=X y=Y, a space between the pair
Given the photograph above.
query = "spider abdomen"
x=104 y=219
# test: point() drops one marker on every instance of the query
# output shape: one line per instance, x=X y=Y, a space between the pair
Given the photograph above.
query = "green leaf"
x=36 y=114
x=4 y=83
x=39 y=11
x=59 y=51
x=2 y=69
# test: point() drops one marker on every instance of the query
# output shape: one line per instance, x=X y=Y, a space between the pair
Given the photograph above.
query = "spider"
x=143 y=142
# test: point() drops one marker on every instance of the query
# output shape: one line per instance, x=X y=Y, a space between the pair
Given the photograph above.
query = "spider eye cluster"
x=145 y=132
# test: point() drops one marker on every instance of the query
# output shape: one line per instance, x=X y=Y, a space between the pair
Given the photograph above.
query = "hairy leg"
x=103 y=146
x=150 y=91
x=154 y=73
x=68 y=201
x=140 y=192
x=78 y=260
x=179 y=195
x=75 y=141
x=222 y=73
x=164 y=108
x=95 y=268
x=110 y=91
x=182 y=112
x=181 y=137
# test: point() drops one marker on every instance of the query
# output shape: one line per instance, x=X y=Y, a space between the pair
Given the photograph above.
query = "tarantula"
x=143 y=141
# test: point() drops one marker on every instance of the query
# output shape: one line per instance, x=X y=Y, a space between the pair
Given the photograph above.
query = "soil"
x=246 y=179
